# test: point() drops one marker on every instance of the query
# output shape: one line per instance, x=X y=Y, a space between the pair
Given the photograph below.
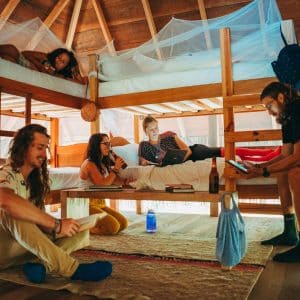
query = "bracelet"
x=57 y=225
x=115 y=171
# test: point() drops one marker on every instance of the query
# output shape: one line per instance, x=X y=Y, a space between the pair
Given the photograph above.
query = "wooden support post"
x=93 y=82
x=54 y=133
x=28 y=109
x=227 y=90
x=136 y=132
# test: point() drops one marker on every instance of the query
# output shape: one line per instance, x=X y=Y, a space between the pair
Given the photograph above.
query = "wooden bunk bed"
x=234 y=94
x=238 y=93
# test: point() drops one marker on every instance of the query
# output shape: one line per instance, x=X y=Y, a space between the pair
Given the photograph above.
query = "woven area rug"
x=160 y=266
x=143 y=277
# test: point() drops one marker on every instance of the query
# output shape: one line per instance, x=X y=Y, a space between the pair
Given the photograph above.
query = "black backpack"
x=287 y=66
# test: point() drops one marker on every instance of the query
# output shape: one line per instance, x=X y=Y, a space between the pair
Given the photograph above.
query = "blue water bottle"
x=151 y=221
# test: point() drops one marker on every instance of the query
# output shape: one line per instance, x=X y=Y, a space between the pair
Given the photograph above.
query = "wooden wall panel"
x=126 y=18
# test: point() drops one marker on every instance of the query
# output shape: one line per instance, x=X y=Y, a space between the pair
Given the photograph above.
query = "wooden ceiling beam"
x=103 y=25
x=7 y=11
x=58 y=8
x=202 y=9
x=10 y=113
x=204 y=18
x=73 y=24
x=151 y=25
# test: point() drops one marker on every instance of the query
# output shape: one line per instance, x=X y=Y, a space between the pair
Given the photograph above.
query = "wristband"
x=115 y=171
x=57 y=224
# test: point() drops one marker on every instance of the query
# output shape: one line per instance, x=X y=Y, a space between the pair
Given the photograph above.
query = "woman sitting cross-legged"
x=101 y=168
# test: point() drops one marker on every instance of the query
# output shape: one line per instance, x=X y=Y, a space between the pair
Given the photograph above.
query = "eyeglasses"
x=107 y=144
x=269 y=105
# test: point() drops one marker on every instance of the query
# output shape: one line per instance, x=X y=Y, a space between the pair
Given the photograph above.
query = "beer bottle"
x=124 y=166
x=214 y=177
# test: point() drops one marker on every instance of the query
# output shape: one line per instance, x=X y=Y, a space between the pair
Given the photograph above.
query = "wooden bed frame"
x=235 y=94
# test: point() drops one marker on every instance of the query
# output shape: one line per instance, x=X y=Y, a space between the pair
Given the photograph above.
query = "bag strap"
x=234 y=205
x=283 y=37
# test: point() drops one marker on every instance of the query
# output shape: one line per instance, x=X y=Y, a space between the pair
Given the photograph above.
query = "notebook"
x=173 y=156
x=106 y=188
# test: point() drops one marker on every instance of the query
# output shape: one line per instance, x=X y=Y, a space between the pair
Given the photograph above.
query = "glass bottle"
x=151 y=221
x=124 y=166
x=213 y=177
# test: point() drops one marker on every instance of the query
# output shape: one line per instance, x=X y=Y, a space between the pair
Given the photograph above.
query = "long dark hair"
x=94 y=154
x=38 y=179
x=290 y=95
x=68 y=70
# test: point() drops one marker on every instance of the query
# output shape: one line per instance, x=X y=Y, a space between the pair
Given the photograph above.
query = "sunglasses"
x=107 y=144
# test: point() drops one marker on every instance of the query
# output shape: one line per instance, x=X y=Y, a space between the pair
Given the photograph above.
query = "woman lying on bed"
x=101 y=168
x=153 y=150
x=60 y=62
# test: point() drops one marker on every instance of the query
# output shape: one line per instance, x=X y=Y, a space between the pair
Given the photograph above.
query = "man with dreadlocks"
x=24 y=226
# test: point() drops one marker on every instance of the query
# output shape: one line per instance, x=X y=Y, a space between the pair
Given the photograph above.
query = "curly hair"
x=68 y=70
x=38 y=179
x=274 y=89
x=94 y=154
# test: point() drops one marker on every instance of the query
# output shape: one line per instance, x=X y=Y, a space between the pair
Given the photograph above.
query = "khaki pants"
x=22 y=242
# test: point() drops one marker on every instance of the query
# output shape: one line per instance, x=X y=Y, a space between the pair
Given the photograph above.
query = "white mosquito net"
x=34 y=35
x=185 y=45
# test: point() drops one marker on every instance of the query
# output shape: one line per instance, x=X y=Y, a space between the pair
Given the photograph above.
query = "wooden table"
x=131 y=194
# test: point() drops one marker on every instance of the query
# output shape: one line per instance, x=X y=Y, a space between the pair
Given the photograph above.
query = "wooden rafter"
x=7 y=11
x=202 y=9
x=73 y=24
x=103 y=26
x=61 y=4
x=204 y=18
x=151 y=25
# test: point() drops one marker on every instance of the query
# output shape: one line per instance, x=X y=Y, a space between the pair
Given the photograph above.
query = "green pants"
x=21 y=241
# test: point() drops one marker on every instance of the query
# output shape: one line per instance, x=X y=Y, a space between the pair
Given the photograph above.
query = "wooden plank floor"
x=278 y=281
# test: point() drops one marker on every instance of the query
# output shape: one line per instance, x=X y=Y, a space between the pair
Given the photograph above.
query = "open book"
x=90 y=221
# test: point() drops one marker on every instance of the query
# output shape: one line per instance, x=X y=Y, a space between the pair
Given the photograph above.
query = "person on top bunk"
x=101 y=168
x=59 y=62
x=283 y=102
x=153 y=150
x=29 y=234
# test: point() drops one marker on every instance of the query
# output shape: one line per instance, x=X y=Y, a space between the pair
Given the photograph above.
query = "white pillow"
x=147 y=64
x=129 y=153
x=204 y=59
x=116 y=68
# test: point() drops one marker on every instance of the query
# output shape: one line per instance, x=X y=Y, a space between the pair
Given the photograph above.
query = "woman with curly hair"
x=59 y=62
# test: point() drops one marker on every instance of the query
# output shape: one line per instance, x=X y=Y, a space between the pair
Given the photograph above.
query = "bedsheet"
x=195 y=173
x=64 y=178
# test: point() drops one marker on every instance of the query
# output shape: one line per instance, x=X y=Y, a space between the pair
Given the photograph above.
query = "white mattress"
x=16 y=72
x=149 y=82
x=157 y=81
x=195 y=173
x=64 y=178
